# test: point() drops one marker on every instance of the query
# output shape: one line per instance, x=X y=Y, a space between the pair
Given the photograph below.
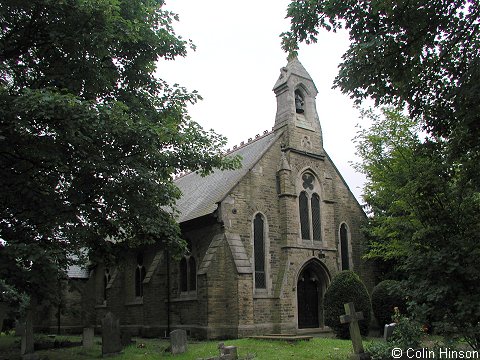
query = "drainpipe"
x=59 y=308
x=168 y=293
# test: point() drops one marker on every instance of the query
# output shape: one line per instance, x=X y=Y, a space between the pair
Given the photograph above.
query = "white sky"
x=236 y=64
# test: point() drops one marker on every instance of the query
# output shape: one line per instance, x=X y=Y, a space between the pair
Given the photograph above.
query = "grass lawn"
x=317 y=348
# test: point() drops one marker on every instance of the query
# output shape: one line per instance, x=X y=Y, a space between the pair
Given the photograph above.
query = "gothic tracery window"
x=309 y=206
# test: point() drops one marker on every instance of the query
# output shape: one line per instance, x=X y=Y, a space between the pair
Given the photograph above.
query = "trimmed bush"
x=387 y=295
x=346 y=287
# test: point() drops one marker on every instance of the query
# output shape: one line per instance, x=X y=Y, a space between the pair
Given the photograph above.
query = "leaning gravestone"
x=111 y=343
x=178 y=341
x=87 y=338
x=351 y=318
x=388 y=331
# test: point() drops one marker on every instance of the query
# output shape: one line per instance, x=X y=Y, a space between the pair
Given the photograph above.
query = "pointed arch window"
x=309 y=206
x=139 y=276
x=188 y=271
x=259 y=251
x=192 y=272
x=304 y=215
x=344 y=247
x=183 y=275
x=106 y=280
x=316 y=222
x=299 y=102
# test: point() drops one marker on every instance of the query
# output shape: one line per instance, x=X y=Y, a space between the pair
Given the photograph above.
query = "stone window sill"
x=185 y=297
x=262 y=295
x=135 y=302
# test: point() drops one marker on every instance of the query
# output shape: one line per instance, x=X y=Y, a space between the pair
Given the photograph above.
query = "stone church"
x=264 y=240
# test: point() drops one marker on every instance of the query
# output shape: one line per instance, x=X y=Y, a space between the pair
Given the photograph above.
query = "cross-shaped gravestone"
x=351 y=318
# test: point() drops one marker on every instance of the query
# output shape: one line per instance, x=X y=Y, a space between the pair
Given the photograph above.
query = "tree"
x=423 y=215
x=423 y=195
x=424 y=54
x=346 y=287
x=386 y=296
x=89 y=137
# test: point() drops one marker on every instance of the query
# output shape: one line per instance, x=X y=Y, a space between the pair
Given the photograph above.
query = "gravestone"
x=87 y=337
x=178 y=341
x=111 y=343
x=388 y=331
x=227 y=352
x=351 y=318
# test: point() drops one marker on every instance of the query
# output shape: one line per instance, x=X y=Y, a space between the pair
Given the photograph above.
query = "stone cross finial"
x=351 y=318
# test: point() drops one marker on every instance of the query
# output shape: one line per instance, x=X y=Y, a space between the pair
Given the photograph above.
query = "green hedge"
x=387 y=295
x=346 y=287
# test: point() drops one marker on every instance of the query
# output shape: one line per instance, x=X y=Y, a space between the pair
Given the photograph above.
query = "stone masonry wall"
x=286 y=253
x=148 y=316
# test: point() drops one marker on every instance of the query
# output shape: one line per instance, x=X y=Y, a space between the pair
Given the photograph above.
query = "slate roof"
x=294 y=66
x=200 y=195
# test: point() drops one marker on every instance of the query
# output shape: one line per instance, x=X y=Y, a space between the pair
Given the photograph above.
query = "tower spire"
x=296 y=109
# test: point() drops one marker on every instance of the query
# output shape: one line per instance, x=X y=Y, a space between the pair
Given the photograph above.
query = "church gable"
x=238 y=252
x=200 y=195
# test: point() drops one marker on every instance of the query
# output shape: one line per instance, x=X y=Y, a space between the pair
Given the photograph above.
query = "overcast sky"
x=237 y=62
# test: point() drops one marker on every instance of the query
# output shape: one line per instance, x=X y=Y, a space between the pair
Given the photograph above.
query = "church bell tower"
x=296 y=110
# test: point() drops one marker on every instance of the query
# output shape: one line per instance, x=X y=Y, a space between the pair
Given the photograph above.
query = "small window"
x=299 y=102
x=259 y=252
x=344 y=247
x=308 y=181
x=139 y=276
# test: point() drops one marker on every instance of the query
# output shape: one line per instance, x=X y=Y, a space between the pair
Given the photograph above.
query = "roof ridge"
x=232 y=150
x=250 y=141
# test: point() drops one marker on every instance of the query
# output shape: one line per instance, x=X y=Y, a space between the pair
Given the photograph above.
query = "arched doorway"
x=311 y=285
